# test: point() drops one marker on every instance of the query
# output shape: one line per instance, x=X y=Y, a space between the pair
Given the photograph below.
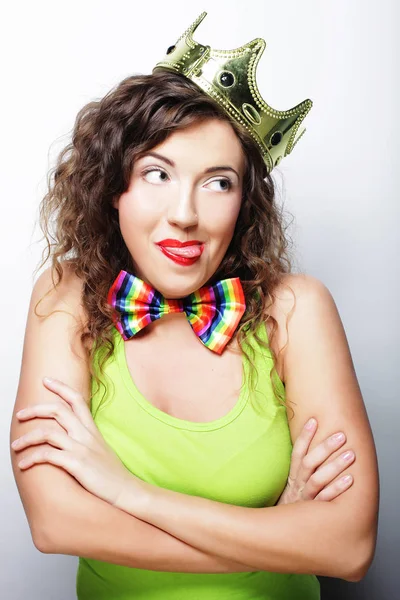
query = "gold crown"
x=229 y=77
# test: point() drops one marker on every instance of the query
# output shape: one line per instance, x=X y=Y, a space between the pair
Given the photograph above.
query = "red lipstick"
x=183 y=253
x=177 y=244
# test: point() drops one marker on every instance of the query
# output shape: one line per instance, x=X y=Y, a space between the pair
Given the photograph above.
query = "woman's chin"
x=175 y=288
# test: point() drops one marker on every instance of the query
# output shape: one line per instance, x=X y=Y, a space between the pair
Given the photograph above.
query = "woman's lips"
x=187 y=255
x=188 y=251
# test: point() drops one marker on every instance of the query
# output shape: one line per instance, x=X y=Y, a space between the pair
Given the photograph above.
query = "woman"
x=170 y=466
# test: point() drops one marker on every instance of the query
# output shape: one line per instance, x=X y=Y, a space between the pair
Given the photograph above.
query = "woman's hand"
x=308 y=480
x=81 y=450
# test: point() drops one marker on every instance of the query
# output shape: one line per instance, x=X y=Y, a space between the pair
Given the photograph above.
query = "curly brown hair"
x=81 y=225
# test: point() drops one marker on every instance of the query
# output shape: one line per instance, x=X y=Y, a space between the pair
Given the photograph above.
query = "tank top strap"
x=264 y=360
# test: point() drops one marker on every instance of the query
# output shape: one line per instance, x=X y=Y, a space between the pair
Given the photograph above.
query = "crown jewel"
x=229 y=77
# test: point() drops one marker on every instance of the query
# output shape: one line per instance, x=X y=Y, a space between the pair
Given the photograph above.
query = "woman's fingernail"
x=348 y=455
x=346 y=479
x=310 y=424
x=48 y=380
x=20 y=412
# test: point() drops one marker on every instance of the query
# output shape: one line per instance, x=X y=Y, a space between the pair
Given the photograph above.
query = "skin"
x=182 y=203
x=187 y=204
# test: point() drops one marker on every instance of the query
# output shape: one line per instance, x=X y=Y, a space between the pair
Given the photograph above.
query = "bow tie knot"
x=213 y=312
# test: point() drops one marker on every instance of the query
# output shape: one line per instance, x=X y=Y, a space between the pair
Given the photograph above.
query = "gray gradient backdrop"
x=339 y=184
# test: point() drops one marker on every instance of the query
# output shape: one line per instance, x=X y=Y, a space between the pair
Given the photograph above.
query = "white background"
x=340 y=183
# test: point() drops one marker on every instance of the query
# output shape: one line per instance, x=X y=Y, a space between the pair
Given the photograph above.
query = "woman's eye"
x=226 y=184
x=157 y=175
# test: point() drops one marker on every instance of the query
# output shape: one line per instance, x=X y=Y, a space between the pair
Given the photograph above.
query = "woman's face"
x=191 y=190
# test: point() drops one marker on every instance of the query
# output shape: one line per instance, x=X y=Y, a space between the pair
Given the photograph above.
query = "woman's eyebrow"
x=208 y=170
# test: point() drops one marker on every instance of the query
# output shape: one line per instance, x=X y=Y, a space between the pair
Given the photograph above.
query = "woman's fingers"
x=47 y=454
x=58 y=439
x=61 y=413
x=318 y=455
x=306 y=476
x=335 y=489
x=308 y=479
x=300 y=449
x=318 y=483
x=74 y=399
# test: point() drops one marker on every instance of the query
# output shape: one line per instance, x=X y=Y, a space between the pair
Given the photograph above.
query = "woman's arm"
x=83 y=525
x=336 y=538
x=63 y=517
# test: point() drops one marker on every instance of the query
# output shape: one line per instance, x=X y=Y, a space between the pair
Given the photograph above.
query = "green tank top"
x=242 y=458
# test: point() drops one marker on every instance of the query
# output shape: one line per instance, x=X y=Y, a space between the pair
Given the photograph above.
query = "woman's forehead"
x=204 y=145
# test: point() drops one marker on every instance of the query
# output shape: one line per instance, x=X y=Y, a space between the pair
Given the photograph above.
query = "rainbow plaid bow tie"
x=213 y=311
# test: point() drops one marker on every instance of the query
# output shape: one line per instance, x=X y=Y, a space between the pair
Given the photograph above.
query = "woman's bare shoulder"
x=291 y=287
x=65 y=294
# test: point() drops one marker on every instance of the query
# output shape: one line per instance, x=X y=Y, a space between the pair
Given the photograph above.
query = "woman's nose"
x=182 y=211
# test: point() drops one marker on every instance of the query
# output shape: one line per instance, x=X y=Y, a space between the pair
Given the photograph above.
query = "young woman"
x=164 y=452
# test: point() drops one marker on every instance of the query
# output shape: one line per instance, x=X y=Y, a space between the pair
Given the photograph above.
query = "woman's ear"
x=115 y=202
